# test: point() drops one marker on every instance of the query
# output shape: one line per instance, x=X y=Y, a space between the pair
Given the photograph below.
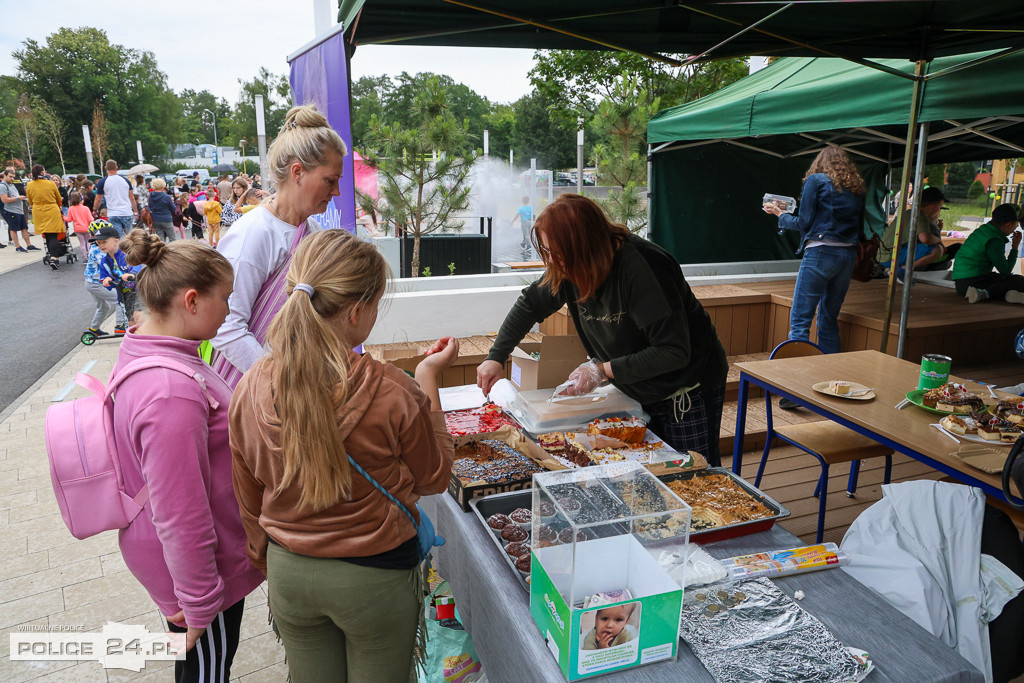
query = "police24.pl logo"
x=117 y=646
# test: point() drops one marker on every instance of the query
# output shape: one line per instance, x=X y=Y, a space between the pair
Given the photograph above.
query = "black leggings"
x=54 y=244
x=210 y=660
x=197 y=230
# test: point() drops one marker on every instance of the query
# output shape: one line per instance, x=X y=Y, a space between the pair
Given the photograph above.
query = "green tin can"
x=934 y=371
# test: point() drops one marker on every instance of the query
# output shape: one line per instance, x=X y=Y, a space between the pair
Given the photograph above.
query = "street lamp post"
x=242 y=143
x=216 y=147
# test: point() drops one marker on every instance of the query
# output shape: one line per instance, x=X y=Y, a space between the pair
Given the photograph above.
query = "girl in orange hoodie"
x=341 y=558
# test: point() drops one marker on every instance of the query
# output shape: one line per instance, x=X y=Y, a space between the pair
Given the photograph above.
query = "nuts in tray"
x=717 y=500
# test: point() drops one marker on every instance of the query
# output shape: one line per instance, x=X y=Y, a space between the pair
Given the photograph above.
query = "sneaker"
x=1014 y=297
x=118 y=331
x=21 y=249
x=974 y=295
x=98 y=332
x=33 y=248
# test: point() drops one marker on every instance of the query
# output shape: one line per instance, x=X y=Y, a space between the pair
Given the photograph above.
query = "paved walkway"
x=49 y=579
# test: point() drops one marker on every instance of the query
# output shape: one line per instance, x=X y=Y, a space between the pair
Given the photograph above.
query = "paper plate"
x=822 y=388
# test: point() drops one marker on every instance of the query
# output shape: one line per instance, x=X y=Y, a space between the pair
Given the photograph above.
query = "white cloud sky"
x=214 y=52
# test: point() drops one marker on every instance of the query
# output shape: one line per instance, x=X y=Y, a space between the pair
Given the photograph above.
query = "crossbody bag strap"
x=383 y=490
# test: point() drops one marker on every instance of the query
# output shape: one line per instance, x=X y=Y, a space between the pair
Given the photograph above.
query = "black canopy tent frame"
x=929 y=29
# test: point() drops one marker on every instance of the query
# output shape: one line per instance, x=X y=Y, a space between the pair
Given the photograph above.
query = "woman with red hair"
x=643 y=328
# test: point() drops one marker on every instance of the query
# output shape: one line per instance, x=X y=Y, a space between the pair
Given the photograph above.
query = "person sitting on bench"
x=984 y=250
x=930 y=253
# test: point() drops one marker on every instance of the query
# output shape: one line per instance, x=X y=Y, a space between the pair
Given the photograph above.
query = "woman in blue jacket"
x=829 y=222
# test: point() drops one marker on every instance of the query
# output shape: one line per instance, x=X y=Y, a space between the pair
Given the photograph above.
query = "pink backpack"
x=84 y=465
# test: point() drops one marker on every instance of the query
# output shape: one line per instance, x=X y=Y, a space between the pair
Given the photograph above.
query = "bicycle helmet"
x=98 y=224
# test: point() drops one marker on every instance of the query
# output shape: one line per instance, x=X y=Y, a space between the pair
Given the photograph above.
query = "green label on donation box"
x=934 y=371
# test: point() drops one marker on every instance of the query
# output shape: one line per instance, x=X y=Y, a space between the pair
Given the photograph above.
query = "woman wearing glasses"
x=643 y=328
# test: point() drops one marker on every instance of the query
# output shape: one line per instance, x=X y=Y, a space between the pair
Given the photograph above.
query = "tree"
x=276 y=101
x=28 y=126
x=418 y=193
x=623 y=117
x=196 y=126
x=575 y=81
x=100 y=134
x=51 y=125
x=76 y=68
x=535 y=134
x=961 y=175
x=11 y=140
x=499 y=123
x=368 y=95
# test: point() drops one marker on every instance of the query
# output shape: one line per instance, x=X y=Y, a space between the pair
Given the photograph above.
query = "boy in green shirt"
x=985 y=250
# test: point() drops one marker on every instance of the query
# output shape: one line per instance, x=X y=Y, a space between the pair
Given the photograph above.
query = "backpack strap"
x=387 y=494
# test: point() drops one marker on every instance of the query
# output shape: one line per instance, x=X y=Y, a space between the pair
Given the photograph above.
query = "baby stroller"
x=65 y=250
x=89 y=337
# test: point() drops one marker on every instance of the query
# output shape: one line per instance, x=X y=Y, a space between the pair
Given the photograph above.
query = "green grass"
x=959 y=209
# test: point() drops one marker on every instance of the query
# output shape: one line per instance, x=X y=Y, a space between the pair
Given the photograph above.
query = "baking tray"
x=731 y=530
x=503 y=503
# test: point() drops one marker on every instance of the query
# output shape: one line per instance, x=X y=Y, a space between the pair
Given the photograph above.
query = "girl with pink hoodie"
x=187 y=547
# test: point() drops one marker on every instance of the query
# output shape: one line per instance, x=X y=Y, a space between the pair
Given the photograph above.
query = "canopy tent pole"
x=908 y=157
x=915 y=211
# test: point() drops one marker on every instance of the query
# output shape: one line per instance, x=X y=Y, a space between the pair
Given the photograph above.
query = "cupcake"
x=545 y=509
x=565 y=535
x=523 y=564
x=522 y=517
x=546 y=536
x=517 y=550
x=514 y=533
x=498 y=521
x=570 y=504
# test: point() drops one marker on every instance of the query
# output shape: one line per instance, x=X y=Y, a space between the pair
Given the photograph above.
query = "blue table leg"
x=741 y=425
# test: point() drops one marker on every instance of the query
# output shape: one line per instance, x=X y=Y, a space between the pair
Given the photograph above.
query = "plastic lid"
x=538 y=415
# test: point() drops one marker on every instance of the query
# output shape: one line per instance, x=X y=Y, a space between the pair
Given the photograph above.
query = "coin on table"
x=740 y=595
x=700 y=597
x=722 y=595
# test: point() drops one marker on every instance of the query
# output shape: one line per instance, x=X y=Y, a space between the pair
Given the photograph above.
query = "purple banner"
x=320 y=76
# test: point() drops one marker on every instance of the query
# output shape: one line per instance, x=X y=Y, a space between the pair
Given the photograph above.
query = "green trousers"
x=342 y=622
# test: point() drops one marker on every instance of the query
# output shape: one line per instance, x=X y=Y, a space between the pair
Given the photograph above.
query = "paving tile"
x=19 y=565
x=272 y=674
x=96 y=589
x=35 y=625
x=25 y=610
x=46 y=507
x=9 y=475
x=257 y=653
x=81 y=672
x=18 y=499
x=112 y=563
x=75 y=550
x=119 y=608
x=39 y=483
x=41 y=470
x=254 y=621
x=17 y=672
x=53 y=538
x=49 y=579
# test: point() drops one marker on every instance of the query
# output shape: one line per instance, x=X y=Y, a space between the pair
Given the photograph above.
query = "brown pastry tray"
x=741 y=528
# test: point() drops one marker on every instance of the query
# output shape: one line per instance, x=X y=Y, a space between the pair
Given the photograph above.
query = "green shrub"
x=976 y=190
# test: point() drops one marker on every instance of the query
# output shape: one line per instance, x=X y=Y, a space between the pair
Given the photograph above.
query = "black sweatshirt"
x=643 y=318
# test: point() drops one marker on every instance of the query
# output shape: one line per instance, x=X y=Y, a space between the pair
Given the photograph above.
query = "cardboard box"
x=463 y=493
x=559 y=356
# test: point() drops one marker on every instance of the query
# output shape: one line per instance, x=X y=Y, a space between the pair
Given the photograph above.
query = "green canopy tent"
x=713 y=159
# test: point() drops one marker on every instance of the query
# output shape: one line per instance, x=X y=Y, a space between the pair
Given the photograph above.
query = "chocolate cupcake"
x=545 y=509
x=498 y=521
x=514 y=533
x=570 y=504
x=565 y=535
x=517 y=550
x=522 y=517
x=546 y=535
x=523 y=564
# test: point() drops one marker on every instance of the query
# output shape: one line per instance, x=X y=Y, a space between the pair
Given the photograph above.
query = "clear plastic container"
x=539 y=415
x=601 y=529
x=787 y=204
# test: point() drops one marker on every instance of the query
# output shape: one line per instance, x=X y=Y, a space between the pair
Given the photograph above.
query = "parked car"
x=186 y=173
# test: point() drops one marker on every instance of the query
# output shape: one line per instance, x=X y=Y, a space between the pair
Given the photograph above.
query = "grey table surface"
x=496 y=611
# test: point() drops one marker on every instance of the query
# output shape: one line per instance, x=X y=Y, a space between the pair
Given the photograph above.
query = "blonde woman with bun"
x=305 y=164
x=341 y=558
x=187 y=546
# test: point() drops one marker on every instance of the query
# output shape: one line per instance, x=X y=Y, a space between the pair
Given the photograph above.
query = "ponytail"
x=311 y=362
